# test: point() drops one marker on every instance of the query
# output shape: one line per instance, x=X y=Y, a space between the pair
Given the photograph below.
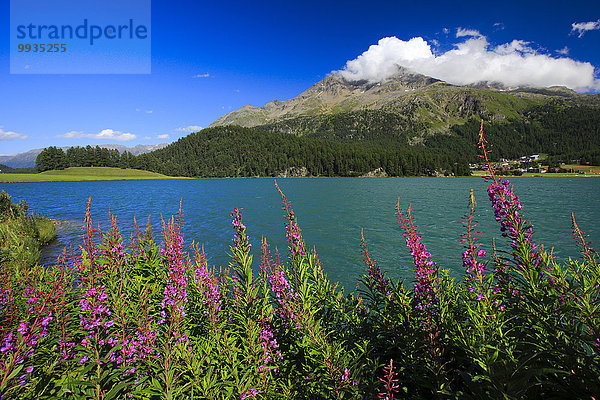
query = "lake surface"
x=330 y=211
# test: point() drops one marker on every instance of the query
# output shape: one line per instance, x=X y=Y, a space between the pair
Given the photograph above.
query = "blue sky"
x=208 y=59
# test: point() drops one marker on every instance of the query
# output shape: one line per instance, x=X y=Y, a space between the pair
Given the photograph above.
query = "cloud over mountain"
x=471 y=61
x=4 y=135
x=105 y=134
x=191 y=128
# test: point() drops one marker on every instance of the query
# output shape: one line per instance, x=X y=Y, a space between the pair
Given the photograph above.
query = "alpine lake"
x=331 y=213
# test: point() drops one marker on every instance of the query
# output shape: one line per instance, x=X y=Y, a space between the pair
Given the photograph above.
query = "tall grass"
x=22 y=233
x=148 y=319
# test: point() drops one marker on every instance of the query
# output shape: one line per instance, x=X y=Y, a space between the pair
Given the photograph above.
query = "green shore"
x=537 y=175
x=22 y=234
x=85 y=174
x=75 y=174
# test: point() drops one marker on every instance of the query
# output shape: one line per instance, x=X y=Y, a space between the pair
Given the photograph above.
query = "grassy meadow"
x=84 y=174
x=587 y=169
x=584 y=171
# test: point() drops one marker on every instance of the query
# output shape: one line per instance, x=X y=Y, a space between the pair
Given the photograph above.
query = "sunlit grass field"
x=587 y=169
x=84 y=174
x=529 y=174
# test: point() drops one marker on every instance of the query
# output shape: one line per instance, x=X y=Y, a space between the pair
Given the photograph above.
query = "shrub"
x=153 y=321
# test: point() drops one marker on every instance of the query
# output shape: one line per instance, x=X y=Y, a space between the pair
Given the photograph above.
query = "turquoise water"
x=330 y=211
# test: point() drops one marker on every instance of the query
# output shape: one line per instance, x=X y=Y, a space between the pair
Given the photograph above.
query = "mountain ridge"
x=433 y=103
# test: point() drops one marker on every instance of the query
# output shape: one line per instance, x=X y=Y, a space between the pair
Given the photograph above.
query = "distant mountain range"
x=27 y=159
x=410 y=124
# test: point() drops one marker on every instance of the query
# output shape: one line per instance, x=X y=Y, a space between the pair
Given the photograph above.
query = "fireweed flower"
x=507 y=208
x=382 y=284
x=250 y=394
x=240 y=239
x=425 y=293
x=390 y=382
x=292 y=230
x=95 y=313
x=284 y=294
x=112 y=245
x=6 y=298
x=210 y=295
x=271 y=353
x=22 y=341
x=474 y=269
x=294 y=237
x=175 y=291
x=345 y=378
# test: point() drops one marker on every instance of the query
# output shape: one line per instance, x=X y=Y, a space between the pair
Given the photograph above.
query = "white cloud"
x=446 y=30
x=105 y=134
x=583 y=27
x=191 y=128
x=206 y=75
x=472 y=60
x=147 y=138
x=146 y=111
x=499 y=26
x=165 y=136
x=11 y=135
x=461 y=32
x=564 y=51
x=516 y=46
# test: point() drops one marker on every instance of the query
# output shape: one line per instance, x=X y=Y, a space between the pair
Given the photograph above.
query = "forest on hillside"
x=354 y=144
x=244 y=152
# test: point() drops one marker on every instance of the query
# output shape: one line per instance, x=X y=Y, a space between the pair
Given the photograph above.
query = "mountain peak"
x=404 y=92
x=331 y=95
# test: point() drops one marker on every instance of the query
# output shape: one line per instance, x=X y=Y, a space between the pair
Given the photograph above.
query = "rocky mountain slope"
x=410 y=101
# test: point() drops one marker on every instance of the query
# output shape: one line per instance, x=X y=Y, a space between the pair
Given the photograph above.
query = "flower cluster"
x=474 y=268
x=270 y=349
x=390 y=382
x=175 y=291
x=292 y=230
x=133 y=349
x=23 y=345
x=283 y=293
x=425 y=293
x=294 y=237
x=240 y=240
x=210 y=295
x=507 y=207
x=426 y=270
x=249 y=394
x=382 y=284
x=95 y=313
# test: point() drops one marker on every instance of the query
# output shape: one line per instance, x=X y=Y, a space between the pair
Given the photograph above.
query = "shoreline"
x=85 y=174
x=105 y=179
